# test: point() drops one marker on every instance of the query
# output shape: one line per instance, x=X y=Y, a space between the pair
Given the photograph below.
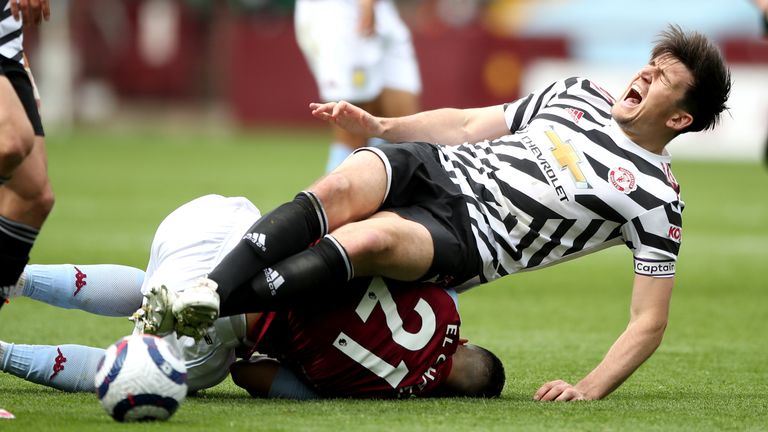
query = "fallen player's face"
x=653 y=95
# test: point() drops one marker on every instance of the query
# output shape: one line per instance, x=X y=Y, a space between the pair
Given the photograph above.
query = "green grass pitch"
x=711 y=372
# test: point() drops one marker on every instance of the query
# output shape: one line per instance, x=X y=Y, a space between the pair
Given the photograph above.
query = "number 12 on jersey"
x=379 y=294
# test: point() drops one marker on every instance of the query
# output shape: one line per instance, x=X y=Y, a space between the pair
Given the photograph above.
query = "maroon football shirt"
x=382 y=341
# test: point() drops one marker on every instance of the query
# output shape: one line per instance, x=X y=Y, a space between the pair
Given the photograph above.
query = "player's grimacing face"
x=653 y=94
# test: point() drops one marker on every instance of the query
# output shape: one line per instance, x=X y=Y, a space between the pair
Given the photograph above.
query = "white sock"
x=70 y=368
x=104 y=289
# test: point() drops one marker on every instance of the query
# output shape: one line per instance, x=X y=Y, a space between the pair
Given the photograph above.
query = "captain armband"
x=654 y=268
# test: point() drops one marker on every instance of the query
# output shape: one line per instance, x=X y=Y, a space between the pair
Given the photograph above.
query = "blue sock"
x=70 y=368
x=336 y=155
x=376 y=141
x=104 y=289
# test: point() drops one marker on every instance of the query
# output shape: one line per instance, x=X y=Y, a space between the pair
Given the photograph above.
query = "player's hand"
x=559 y=390
x=31 y=11
x=348 y=117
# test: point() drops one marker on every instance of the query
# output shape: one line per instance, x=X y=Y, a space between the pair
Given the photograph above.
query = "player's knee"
x=34 y=198
x=332 y=187
x=369 y=247
x=334 y=193
x=44 y=201
x=16 y=142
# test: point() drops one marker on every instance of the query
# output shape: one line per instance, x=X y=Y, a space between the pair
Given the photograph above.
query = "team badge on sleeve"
x=622 y=179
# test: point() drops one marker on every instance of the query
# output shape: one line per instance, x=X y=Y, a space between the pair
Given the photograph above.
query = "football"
x=141 y=378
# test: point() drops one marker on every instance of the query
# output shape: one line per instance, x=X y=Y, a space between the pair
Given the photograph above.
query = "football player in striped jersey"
x=476 y=194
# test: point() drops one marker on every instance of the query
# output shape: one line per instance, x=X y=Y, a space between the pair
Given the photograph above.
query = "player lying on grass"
x=561 y=173
x=386 y=340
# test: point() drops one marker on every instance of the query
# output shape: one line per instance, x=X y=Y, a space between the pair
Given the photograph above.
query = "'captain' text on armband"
x=655 y=268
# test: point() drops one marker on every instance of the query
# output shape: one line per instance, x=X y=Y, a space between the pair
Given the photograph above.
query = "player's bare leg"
x=28 y=197
x=16 y=143
x=16 y=134
x=353 y=191
x=387 y=245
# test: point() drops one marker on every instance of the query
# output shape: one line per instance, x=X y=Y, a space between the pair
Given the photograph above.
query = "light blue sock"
x=104 y=289
x=376 y=141
x=336 y=155
x=69 y=368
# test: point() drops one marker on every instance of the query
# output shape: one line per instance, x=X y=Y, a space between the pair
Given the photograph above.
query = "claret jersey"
x=393 y=340
x=564 y=183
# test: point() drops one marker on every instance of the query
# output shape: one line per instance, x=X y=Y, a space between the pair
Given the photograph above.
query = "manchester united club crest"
x=622 y=179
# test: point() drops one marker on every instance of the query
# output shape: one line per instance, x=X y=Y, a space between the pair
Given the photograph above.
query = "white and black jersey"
x=11 y=36
x=565 y=183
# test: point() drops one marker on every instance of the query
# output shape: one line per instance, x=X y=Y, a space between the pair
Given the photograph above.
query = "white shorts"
x=187 y=246
x=348 y=66
x=195 y=237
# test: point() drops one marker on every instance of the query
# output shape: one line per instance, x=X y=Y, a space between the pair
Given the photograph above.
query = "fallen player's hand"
x=348 y=117
x=559 y=390
x=32 y=11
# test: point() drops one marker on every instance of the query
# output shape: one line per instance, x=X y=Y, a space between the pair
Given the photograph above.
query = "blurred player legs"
x=359 y=52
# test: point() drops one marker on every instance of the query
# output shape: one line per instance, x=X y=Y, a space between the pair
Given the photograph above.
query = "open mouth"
x=633 y=97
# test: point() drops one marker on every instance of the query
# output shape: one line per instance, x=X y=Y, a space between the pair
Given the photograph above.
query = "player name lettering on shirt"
x=451 y=336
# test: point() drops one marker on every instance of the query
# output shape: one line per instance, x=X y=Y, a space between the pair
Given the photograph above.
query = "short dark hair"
x=706 y=97
x=496 y=377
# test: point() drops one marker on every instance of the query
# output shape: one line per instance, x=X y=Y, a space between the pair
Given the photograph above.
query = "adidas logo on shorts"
x=260 y=240
x=274 y=280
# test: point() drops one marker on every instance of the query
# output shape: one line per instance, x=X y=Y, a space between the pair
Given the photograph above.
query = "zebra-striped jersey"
x=565 y=183
x=11 y=36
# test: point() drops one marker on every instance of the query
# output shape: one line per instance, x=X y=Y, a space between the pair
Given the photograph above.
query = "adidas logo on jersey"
x=274 y=280
x=576 y=115
x=260 y=240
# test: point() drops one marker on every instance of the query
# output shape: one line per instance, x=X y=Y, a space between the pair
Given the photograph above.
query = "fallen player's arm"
x=649 y=314
x=264 y=377
x=446 y=126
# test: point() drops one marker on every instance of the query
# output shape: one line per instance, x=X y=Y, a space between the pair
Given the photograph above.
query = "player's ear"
x=679 y=120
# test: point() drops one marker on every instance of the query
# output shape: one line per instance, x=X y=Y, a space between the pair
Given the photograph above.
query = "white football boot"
x=155 y=316
x=196 y=308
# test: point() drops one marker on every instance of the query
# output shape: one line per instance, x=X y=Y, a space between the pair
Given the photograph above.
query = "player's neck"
x=650 y=141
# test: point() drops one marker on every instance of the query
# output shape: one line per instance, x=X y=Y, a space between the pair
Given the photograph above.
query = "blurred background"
x=235 y=64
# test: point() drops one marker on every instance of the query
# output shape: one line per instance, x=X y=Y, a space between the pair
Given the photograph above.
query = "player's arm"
x=265 y=377
x=447 y=126
x=648 y=320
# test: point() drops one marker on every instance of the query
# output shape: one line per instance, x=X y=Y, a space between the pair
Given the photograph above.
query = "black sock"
x=283 y=232
x=16 y=240
x=294 y=282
